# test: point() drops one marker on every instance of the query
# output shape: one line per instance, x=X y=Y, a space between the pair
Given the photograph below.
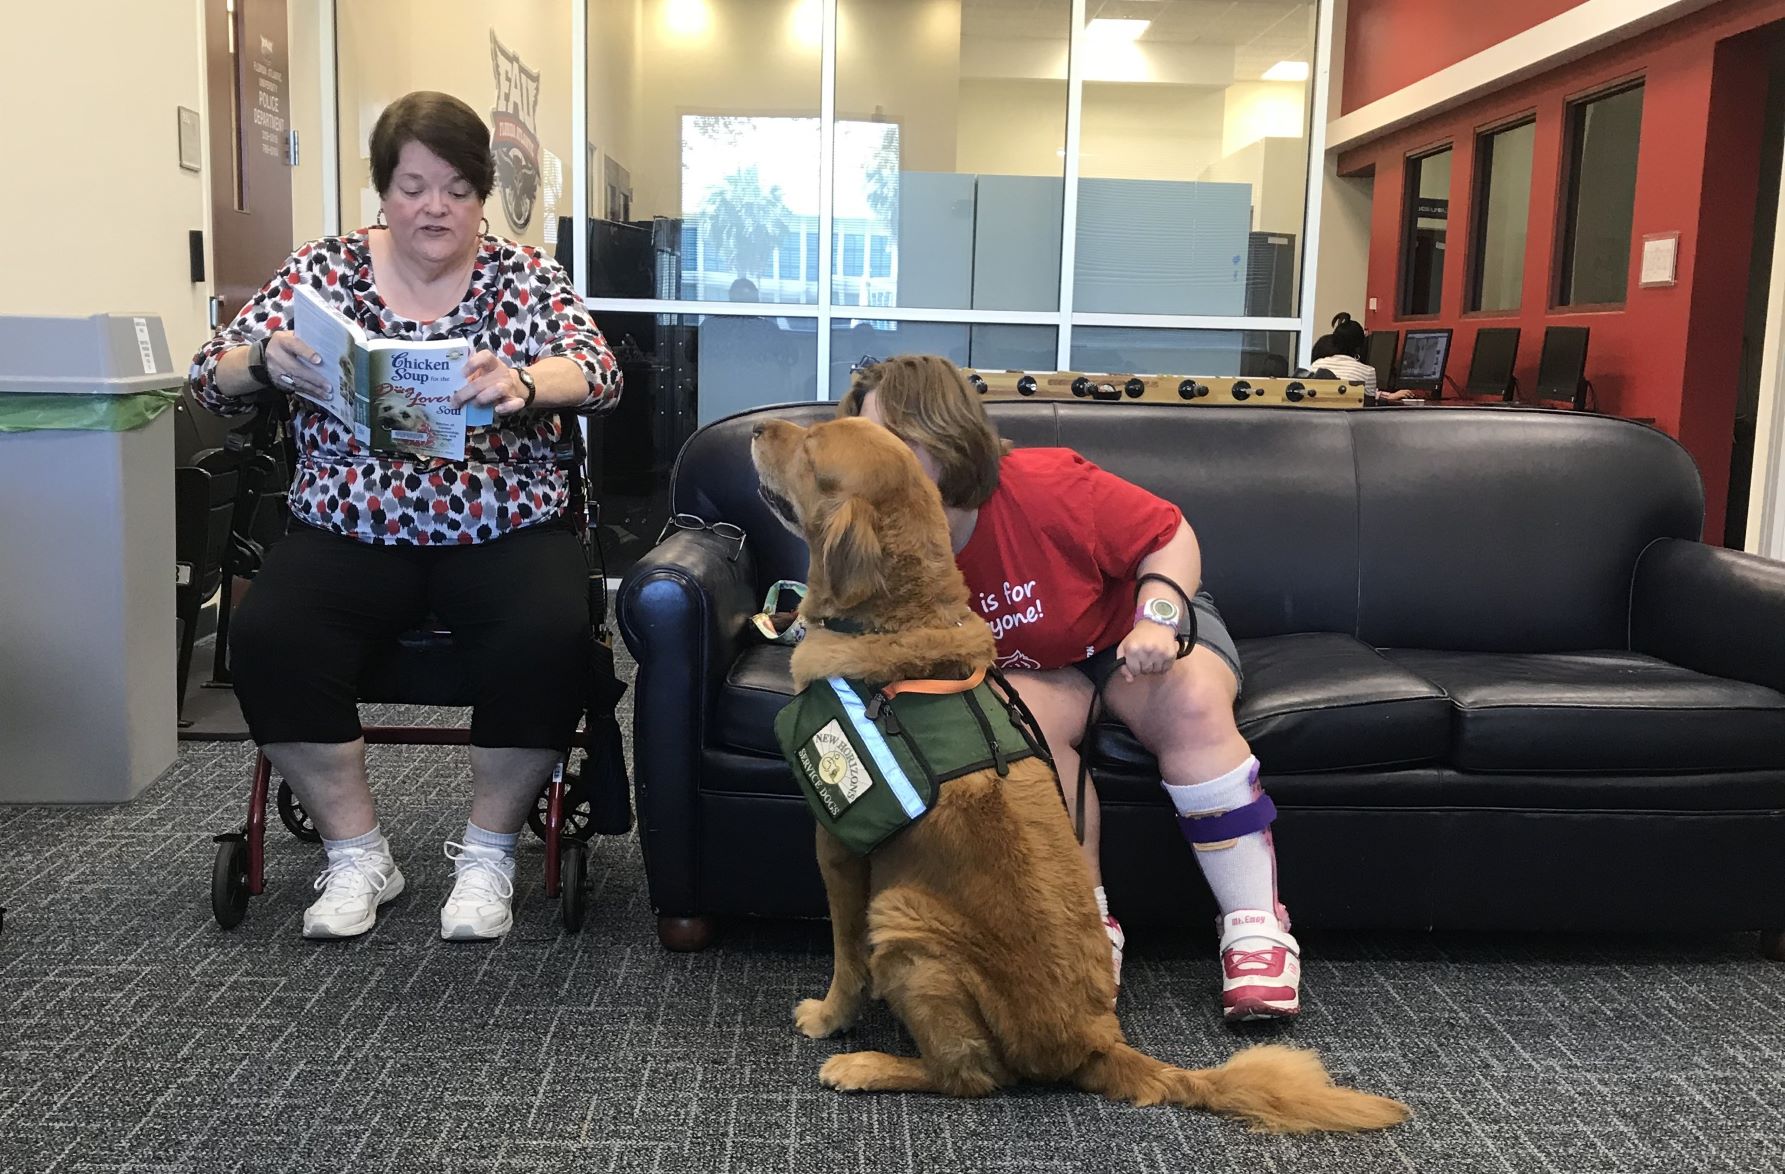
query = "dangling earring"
x=485 y=226
x=379 y=220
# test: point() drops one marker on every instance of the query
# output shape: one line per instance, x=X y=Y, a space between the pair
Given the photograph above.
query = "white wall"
x=1341 y=274
x=1010 y=126
x=388 y=49
x=95 y=201
x=304 y=20
x=615 y=93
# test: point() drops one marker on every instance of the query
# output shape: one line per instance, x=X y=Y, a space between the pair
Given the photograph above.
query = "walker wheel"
x=579 y=818
x=573 y=883
x=296 y=820
x=229 y=881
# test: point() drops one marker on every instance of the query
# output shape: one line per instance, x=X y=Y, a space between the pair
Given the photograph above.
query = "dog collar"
x=844 y=627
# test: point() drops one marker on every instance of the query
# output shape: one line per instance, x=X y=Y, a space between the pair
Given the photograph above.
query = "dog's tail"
x=1276 y=1089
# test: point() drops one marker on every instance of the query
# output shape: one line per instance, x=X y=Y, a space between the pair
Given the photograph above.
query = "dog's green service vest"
x=870 y=761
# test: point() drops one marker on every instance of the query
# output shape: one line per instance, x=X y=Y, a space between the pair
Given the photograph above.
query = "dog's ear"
x=849 y=553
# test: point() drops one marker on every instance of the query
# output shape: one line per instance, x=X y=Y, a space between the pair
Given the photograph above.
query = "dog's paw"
x=850 y=1072
x=816 y=1019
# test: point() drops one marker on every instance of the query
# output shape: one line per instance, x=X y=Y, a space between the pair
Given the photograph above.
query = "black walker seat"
x=423 y=667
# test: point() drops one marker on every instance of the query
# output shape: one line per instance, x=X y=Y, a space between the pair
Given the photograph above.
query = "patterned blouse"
x=520 y=304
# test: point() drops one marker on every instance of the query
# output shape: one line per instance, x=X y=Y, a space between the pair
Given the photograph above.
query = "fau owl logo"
x=515 y=141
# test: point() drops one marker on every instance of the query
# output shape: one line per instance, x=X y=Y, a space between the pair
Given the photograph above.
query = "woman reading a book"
x=380 y=539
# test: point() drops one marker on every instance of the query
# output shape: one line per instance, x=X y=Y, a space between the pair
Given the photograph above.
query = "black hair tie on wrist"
x=1186 y=639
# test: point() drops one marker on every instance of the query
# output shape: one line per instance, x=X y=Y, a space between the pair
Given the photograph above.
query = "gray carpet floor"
x=137 y=1036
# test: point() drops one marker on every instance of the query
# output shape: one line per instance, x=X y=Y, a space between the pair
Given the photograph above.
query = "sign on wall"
x=515 y=133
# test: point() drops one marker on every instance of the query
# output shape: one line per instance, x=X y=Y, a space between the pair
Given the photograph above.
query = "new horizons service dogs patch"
x=834 y=768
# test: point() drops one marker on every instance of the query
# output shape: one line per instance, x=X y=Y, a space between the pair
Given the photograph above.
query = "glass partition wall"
x=772 y=191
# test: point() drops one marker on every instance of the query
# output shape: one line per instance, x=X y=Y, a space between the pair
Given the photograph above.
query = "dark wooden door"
x=250 y=121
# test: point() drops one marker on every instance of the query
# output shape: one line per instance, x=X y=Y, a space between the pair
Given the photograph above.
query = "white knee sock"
x=1242 y=873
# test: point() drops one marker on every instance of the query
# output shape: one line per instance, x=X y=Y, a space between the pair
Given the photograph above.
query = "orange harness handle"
x=966 y=686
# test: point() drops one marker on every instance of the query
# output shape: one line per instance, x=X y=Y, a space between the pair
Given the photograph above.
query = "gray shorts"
x=1211 y=633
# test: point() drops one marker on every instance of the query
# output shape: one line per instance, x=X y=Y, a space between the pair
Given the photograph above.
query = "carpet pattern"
x=137 y=1036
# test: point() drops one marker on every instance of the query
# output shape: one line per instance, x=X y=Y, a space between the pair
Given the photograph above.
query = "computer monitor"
x=1379 y=352
x=1562 y=369
x=1490 y=367
x=1423 y=356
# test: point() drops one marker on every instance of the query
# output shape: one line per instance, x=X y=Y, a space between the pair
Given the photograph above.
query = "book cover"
x=395 y=395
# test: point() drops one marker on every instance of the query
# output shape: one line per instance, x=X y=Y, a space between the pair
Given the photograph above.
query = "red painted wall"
x=1394 y=43
x=1696 y=173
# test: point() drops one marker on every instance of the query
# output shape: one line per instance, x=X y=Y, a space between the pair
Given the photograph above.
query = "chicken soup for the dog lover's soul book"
x=396 y=395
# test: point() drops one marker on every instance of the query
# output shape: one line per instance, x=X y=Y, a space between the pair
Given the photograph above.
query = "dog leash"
x=1025 y=719
x=1186 y=642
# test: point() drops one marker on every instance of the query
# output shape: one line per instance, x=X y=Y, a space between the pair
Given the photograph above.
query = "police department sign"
x=515 y=138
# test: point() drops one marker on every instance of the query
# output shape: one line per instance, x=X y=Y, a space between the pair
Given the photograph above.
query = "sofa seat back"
x=1485 y=529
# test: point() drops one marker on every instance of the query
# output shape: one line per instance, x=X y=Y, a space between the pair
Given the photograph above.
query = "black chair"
x=1492 y=361
x=422 y=667
x=205 y=494
x=259 y=515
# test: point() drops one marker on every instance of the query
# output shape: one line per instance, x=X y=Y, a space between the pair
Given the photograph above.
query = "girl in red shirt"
x=1053 y=550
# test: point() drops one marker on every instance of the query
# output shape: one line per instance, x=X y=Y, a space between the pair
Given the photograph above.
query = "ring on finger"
x=286 y=380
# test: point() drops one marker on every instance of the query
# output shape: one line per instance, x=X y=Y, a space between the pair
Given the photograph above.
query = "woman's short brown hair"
x=925 y=401
x=442 y=124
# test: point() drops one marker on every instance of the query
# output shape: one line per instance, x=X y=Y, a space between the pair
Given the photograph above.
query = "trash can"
x=87 y=635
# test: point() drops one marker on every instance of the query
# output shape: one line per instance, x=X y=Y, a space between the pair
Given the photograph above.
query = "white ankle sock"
x=1243 y=872
x=1102 y=901
x=487 y=841
x=372 y=839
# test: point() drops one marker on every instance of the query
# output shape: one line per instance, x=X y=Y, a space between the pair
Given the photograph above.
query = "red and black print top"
x=520 y=304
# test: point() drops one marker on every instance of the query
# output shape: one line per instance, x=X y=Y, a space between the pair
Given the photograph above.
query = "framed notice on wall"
x=1660 y=259
x=191 y=152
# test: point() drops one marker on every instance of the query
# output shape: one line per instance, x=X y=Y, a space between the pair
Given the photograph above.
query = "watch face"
x=1163 y=610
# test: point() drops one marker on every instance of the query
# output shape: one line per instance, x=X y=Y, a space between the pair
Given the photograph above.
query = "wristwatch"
x=1160 y=611
x=527 y=382
x=257 y=363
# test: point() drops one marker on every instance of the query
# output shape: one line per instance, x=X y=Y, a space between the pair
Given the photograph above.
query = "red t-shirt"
x=1052 y=559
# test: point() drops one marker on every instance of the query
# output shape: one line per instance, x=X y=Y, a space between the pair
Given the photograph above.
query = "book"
x=395 y=395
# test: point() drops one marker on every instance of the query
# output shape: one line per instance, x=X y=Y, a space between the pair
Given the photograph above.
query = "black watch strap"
x=257 y=363
x=1186 y=621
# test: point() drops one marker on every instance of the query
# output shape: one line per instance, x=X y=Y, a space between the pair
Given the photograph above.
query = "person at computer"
x=1346 y=360
x=1108 y=571
x=378 y=542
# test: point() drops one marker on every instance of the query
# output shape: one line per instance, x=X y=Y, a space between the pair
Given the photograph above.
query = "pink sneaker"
x=1261 y=967
x=1117 y=939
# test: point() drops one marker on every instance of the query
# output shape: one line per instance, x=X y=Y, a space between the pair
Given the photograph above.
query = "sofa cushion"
x=1319 y=701
x=758 y=684
x=1607 y=712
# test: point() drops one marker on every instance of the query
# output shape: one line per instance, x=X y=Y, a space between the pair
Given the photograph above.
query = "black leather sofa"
x=1494 y=680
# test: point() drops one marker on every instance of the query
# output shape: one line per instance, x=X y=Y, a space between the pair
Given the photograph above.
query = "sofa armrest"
x=1711 y=610
x=684 y=611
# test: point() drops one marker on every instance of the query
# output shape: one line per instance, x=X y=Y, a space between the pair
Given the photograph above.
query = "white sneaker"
x=481 y=904
x=1261 y=967
x=355 y=883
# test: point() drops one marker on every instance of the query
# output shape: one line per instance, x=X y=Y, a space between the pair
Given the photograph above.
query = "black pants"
x=518 y=609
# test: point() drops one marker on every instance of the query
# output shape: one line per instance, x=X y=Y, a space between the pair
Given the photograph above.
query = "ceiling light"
x=1287 y=71
x=1117 y=30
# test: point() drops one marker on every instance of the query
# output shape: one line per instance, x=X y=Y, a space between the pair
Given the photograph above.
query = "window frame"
x=1568 y=193
x=1480 y=187
x=1409 y=220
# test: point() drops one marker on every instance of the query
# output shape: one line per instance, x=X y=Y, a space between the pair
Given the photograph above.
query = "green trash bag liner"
x=83 y=413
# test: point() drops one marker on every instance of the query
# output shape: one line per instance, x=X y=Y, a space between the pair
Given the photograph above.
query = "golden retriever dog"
x=976 y=924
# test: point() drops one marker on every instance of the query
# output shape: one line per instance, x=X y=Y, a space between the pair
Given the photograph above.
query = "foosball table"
x=1168 y=389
